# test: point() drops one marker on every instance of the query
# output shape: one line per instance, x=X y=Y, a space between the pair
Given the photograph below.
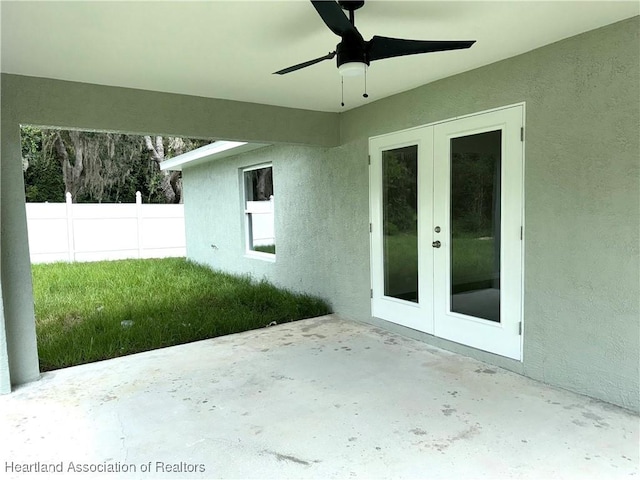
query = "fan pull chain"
x=342 y=85
x=365 y=94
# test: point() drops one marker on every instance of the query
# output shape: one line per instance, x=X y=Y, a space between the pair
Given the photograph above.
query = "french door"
x=446 y=229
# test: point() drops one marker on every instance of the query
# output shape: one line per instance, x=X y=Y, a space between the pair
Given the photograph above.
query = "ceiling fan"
x=354 y=52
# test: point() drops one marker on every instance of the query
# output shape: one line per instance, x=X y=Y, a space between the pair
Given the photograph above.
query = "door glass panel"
x=475 y=225
x=400 y=222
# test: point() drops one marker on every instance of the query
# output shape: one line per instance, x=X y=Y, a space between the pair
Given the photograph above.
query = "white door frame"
x=418 y=316
x=432 y=313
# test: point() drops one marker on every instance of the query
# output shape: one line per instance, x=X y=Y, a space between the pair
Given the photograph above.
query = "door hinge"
x=369 y=159
x=522 y=134
x=519 y=328
x=521 y=233
x=370 y=228
x=372 y=293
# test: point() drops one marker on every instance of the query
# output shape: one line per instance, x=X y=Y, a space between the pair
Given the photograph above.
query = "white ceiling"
x=225 y=49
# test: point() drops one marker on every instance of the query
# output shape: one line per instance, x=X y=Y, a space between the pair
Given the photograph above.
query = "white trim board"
x=213 y=151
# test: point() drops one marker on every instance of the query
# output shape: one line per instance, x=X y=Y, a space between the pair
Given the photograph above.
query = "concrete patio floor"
x=320 y=398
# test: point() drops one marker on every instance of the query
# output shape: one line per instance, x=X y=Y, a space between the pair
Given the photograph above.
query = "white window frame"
x=248 y=252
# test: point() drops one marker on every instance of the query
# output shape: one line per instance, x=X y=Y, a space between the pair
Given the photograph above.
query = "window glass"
x=475 y=225
x=400 y=222
x=258 y=188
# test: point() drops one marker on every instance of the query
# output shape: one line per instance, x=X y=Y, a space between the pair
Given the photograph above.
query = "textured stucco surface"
x=319 y=198
x=582 y=206
x=49 y=102
x=582 y=197
x=5 y=378
x=15 y=275
x=5 y=382
x=42 y=101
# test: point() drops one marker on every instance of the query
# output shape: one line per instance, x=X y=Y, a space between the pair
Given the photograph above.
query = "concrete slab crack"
x=290 y=458
x=123 y=438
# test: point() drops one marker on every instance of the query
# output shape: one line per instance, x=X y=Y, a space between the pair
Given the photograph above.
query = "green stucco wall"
x=47 y=102
x=582 y=206
x=582 y=197
x=321 y=200
x=582 y=160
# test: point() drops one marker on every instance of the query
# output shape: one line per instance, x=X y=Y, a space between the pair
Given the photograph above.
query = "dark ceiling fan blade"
x=333 y=16
x=386 y=47
x=328 y=56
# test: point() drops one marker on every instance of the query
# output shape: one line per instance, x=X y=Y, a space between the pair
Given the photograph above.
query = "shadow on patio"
x=317 y=398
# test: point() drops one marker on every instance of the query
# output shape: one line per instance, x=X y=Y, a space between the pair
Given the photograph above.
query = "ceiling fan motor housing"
x=351 y=51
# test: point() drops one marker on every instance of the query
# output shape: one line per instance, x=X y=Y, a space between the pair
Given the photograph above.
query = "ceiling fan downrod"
x=351 y=6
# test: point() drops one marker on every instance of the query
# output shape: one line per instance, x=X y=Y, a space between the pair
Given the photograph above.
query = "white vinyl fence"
x=262 y=222
x=104 y=231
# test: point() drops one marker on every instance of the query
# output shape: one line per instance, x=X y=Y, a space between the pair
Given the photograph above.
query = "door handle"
x=436 y=244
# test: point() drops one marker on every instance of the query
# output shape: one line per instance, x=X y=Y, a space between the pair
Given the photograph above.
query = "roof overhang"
x=208 y=153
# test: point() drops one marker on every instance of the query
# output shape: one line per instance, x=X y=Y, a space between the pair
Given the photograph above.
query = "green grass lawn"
x=472 y=260
x=401 y=257
x=94 y=311
x=265 y=248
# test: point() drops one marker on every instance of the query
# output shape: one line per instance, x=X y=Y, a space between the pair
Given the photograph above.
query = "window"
x=258 y=211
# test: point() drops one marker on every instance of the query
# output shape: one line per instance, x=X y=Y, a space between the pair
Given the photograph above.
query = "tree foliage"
x=42 y=175
x=400 y=190
x=475 y=180
x=98 y=167
x=474 y=193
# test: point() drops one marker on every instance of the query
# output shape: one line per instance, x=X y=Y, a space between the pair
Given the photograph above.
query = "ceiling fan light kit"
x=352 y=69
x=354 y=54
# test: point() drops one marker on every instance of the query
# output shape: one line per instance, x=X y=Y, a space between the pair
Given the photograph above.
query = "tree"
x=100 y=166
x=170 y=187
x=42 y=175
x=170 y=182
x=400 y=190
x=475 y=177
x=95 y=165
